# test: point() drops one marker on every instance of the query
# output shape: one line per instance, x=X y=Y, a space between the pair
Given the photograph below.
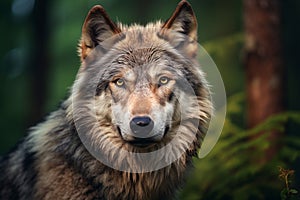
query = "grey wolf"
x=149 y=92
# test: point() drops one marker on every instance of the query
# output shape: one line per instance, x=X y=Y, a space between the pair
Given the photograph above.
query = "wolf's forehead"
x=141 y=44
x=146 y=61
x=139 y=56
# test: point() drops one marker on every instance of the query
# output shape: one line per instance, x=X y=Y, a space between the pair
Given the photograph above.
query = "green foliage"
x=237 y=167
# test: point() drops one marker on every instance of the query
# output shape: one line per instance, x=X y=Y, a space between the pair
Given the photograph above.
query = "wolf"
x=136 y=115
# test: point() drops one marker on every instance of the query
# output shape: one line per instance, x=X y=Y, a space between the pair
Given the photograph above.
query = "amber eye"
x=119 y=82
x=164 y=80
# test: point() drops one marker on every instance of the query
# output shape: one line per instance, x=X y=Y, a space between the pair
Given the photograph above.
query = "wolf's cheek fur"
x=118 y=94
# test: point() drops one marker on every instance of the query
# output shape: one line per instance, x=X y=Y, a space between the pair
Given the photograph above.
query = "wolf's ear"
x=97 y=27
x=183 y=20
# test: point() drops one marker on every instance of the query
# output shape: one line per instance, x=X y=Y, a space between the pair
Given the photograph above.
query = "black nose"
x=141 y=126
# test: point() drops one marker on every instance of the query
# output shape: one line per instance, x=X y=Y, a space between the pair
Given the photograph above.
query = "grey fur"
x=52 y=162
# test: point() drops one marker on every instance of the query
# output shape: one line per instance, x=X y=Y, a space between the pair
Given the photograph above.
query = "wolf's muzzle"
x=141 y=126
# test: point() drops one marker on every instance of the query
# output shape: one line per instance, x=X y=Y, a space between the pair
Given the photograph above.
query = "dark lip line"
x=143 y=142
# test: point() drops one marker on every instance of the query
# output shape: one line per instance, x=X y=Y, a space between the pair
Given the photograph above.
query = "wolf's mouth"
x=143 y=142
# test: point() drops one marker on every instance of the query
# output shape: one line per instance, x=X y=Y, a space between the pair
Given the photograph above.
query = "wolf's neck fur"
x=82 y=170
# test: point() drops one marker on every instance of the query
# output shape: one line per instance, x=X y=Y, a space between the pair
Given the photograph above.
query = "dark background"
x=39 y=62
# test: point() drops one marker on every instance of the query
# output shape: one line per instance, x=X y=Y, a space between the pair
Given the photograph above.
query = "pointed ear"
x=97 y=27
x=183 y=20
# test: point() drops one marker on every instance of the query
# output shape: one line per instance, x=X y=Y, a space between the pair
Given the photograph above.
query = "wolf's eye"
x=164 y=80
x=119 y=82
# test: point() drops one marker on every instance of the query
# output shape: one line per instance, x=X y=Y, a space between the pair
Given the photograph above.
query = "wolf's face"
x=143 y=96
x=149 y=87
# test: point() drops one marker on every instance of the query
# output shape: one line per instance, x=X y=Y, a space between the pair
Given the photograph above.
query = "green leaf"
x=293 y=191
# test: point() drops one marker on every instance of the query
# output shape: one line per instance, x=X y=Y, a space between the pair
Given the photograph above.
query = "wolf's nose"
x=141 y=126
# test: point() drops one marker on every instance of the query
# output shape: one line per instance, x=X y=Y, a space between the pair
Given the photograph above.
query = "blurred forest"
x=39 y=62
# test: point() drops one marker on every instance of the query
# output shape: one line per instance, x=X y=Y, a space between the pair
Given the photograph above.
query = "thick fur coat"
x=123 y=65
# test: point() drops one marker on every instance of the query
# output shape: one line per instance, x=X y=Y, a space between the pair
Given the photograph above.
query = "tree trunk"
x=40 y=61
x=264 y=64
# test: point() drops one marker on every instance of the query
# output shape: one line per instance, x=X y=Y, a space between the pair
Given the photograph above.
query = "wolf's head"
x=145 y=82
